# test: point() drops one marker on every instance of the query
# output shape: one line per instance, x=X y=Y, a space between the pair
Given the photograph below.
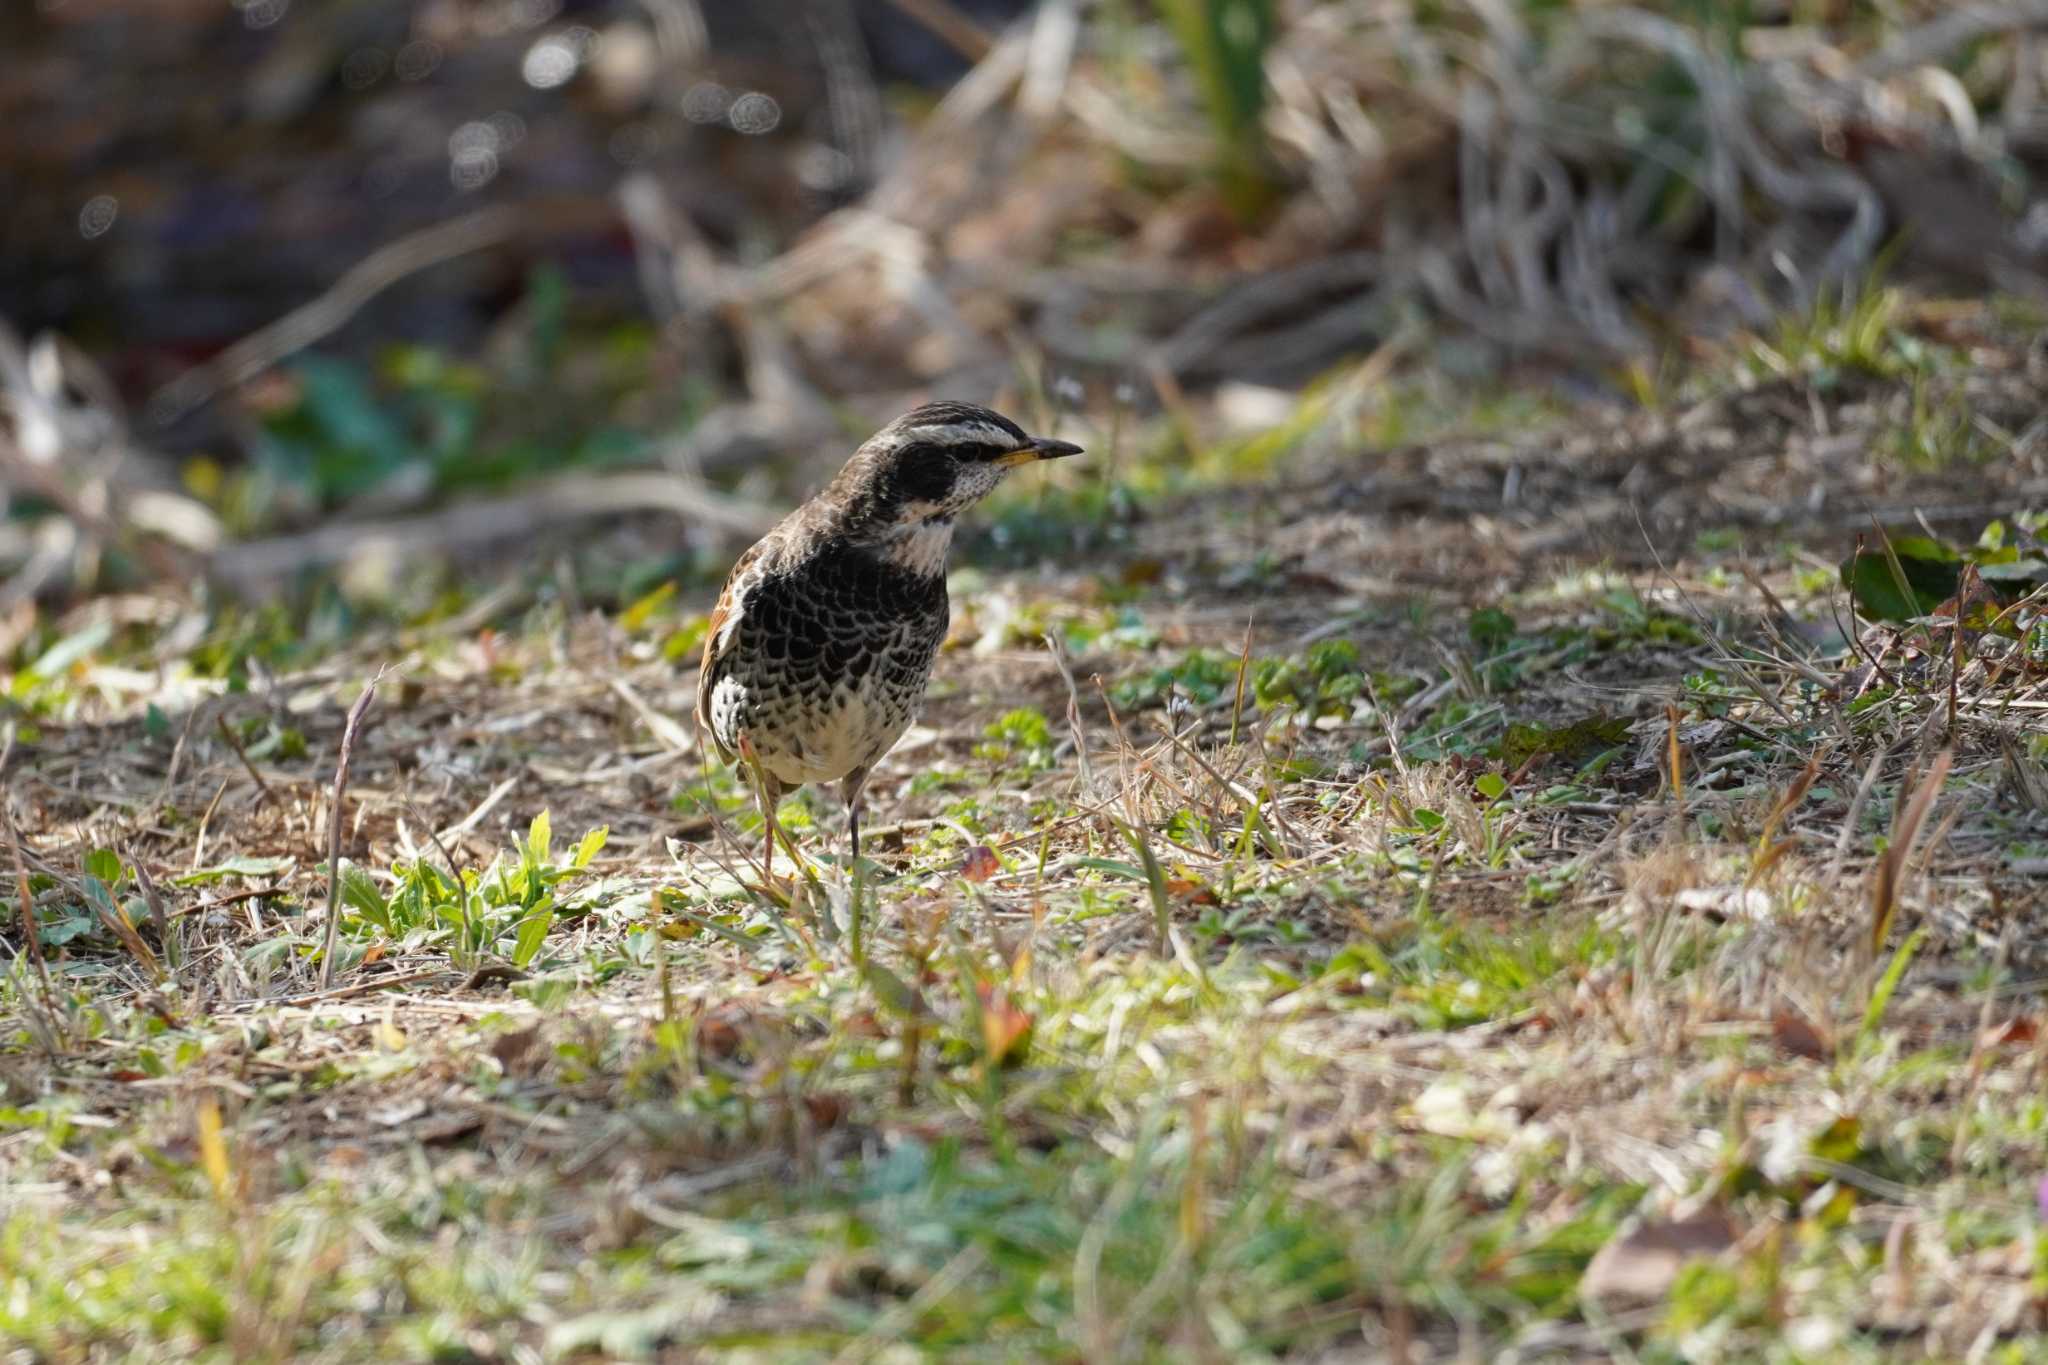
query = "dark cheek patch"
x=922 y=475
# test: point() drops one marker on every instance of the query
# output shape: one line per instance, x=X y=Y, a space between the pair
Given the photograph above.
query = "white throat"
x=919 y=548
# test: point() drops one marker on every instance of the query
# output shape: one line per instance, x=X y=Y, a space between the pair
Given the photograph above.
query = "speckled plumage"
x=821 y=644
x=828 y=653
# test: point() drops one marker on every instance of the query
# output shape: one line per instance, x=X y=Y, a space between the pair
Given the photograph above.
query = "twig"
x=1914 y=802
x=1721 y=646
x=932 y=1292
x=305 y=325
x=1675 y=770
x=1855 y=812
x=1049 y=61
x=1980 y=1048
x=206 y=819
x=1058 y=651
x=455 y=869
x=250 y=768
x=31 y=940
x=153 y=896
x=1932 y=41
x=949 y=25
x=1244 y=663
x=666 y=732
x=264 y=563
x=232 y=898
x=484 y=807
x=348 y=746
x=178 y=753
x=1087 y=813
x=365 y=987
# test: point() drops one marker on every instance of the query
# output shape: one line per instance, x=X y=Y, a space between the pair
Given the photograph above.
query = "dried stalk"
x=348 y=747
x=1916 y=799
x=49 y=1036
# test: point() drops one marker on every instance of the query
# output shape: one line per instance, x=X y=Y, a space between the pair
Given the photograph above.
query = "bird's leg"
x=768 y=793
x=849 y=792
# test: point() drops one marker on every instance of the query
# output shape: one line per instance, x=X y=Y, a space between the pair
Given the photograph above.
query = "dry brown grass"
x=1345 y=1026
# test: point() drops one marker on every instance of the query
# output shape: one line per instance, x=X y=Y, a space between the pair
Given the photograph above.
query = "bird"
x=819 y=650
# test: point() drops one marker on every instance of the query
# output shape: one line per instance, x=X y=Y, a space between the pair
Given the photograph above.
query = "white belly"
x=809 y=737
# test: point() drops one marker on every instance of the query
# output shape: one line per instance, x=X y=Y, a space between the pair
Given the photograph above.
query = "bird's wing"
x=718 y=636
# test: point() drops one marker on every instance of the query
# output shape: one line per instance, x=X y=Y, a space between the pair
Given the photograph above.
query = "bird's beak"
x=1041 y=448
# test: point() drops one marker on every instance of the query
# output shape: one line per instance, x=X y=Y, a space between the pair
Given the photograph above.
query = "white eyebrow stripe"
x=968 y=433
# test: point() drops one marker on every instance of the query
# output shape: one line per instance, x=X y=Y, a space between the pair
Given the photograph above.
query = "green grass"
x=1342 y=993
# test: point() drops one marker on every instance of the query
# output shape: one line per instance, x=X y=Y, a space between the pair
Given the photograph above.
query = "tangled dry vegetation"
x=1489 y=898
x=1235 y=191
x=1475 y=903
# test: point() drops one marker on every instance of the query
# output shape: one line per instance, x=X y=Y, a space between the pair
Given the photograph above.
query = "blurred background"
x=345 y=297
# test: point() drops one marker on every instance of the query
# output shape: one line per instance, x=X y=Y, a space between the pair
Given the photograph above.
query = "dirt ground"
x=1313 y=959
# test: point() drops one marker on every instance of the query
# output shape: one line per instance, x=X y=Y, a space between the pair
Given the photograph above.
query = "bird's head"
x=934 y=462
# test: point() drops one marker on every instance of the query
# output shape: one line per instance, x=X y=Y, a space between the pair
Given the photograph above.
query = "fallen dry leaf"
x=1142 y=571
x=390 y=1038
x=981 y=864
x=717 y=1039
x=1641 y=1265
x=1727 y=902
x=397 y=1113
x=863 y=1025
x=1792 y=1031
x=2017 y=1032
x=825 y=1111
x=1005 y=1029
x=512 y=1049
x=447 y=1127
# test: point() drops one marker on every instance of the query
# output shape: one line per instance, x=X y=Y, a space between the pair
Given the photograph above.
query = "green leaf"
x=588 y=847
x=1155 y=881
x=1331 y=660
x=547 y=305
x=1575 y=742
x=1428 y=819
x=2013 y=570
x=540 y=838
x=359 y=891
x=57 y=933
x=234 y=867
x=533 y=931
x=618 y=1333
x=636 y=617
x=1492 y=786
x=1225 y=42
x=105 y=864
x=99 y=896
x=354 y=443
x=270 y=954
x=1131 y=870
x=1204 y=674
x=1930 y=569
x=58 y=658
x=1881 y=997
x=1840 y=1142
x=1491 y=628
x=891 y=990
